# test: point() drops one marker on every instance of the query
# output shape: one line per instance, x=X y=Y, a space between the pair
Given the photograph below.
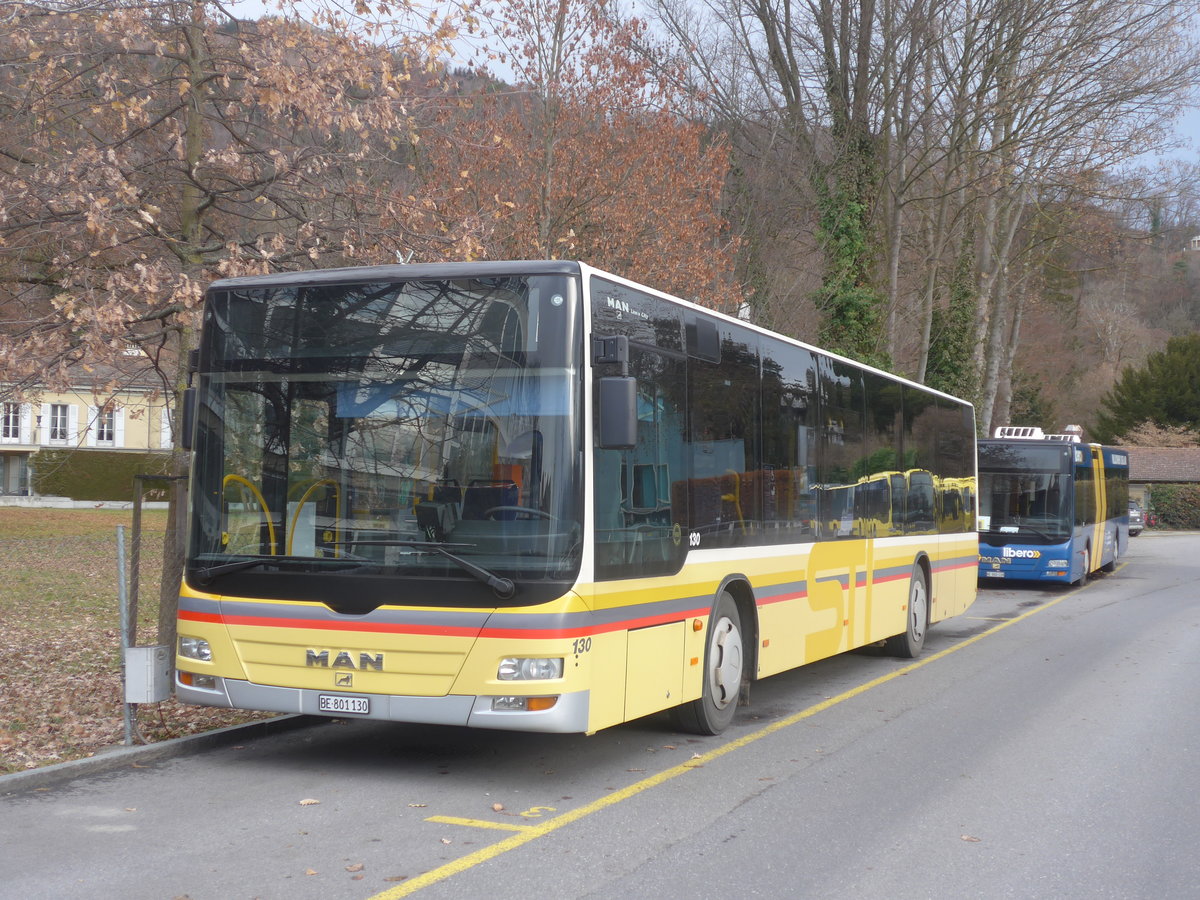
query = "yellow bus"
x=538 y=496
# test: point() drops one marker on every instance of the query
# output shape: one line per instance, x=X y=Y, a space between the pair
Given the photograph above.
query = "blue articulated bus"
x=1051 y=508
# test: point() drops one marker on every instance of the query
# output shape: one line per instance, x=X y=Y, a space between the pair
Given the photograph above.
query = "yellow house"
x=134 y=417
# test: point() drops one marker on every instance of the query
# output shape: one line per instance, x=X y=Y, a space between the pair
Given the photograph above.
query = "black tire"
x=910 y=643
x=724 y=673
x=1111 y=566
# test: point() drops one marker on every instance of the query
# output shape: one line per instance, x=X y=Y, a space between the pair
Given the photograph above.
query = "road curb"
x=111 y=759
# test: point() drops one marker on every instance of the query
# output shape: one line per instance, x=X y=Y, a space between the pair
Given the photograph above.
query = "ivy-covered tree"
x=1165 y=391
x=950 y=346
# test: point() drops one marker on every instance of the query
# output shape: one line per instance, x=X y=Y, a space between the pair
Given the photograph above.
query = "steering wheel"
x=527 y=510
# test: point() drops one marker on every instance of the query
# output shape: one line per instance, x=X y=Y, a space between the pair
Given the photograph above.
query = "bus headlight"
x=523 y=704
x=530 y=669
x=195 y=648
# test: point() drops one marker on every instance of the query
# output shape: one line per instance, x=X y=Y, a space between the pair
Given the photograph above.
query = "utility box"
x=147 y=674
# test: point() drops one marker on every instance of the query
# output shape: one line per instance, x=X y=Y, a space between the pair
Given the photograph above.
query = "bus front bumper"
x=568 y=714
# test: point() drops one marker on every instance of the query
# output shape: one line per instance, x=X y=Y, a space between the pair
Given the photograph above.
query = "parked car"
x=1137 y=519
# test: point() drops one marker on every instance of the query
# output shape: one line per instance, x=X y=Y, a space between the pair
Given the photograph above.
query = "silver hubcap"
x=918 y=607
x=725 y=658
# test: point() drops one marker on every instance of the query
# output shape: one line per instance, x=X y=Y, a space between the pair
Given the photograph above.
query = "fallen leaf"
x=357 y=877
x=445 y=840
x=395 y=878
x=357 y=867
x=971 y=839
x=310 y=871
x=668 y=746
x=498 y=807
x=417 y=806
x=309 y=802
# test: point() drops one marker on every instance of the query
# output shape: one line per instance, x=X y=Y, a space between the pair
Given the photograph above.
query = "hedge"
x=94 y=474
x=1176 y=505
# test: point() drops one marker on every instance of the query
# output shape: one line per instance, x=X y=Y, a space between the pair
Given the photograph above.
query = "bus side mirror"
x=187 y=423
x=618 y=412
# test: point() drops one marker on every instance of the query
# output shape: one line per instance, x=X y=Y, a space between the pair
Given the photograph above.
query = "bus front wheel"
x=908 y=645
x=724 y=670
x=1087 y=567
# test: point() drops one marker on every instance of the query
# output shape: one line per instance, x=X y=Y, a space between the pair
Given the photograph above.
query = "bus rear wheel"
x=724 y=671
x=908 y=645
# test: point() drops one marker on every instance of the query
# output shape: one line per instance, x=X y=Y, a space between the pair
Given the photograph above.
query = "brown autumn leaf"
x=497 y=807
x=356 y=867
x=971 y=838
x=310 y=872
x=612 y=114
x=309 y=802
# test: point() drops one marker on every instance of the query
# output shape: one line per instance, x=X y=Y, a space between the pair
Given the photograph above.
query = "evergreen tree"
x=1165 y=391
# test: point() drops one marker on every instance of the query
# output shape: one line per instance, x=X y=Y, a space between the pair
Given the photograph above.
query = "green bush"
x=94 y=474
x=1176 y=505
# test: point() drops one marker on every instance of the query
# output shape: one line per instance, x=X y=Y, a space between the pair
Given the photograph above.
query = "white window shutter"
x=44 y=428
x=119 y=427
x=73 y=424
x=26 y=435
x=93 y=425
x=165 y=440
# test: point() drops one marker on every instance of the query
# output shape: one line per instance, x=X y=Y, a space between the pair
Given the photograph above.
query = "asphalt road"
x=1046 y=745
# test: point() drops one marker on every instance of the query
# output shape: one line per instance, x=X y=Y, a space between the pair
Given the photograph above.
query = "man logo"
x=343 y=660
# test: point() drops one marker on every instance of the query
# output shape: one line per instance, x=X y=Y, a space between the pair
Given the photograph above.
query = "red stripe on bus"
x=781 y=598
x=327 y=625
x=445 y=631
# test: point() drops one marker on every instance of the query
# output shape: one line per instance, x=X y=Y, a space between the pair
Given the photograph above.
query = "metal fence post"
x=123 y=604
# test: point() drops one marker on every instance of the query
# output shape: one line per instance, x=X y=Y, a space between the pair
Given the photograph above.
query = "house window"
x=10 y=422
x=106 y=426
x=58 y=422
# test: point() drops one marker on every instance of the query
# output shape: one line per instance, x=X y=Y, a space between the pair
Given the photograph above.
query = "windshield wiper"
x=503 y=587
x=206 y=574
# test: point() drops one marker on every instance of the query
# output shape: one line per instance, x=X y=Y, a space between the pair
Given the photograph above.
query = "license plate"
x=334 y=703
x=994 y=574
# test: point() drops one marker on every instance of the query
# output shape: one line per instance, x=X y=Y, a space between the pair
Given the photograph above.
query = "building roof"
x=1164 y=465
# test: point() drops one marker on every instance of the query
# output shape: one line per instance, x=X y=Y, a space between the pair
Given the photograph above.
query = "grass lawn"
x=60 y=685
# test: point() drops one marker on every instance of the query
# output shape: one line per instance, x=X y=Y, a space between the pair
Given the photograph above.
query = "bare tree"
x=961 y=113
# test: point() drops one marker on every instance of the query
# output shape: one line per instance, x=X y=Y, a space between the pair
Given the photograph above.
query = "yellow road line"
x=478 y=823
x=533 y=832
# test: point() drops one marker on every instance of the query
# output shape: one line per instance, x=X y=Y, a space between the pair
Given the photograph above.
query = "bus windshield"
x=405 y=429
x=1025 y=492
